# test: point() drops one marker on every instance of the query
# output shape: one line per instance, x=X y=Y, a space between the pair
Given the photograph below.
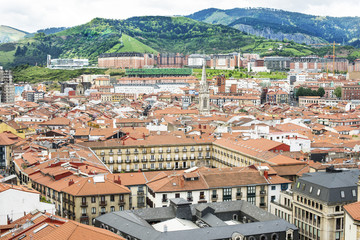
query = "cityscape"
x=240 y=124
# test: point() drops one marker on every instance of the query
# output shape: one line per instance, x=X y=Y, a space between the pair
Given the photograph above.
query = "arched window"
x=274 y=236
x=263 y=237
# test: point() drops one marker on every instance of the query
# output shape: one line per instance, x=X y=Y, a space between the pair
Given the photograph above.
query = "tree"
x=300 y=92
x=337 y=92
x=320 y=92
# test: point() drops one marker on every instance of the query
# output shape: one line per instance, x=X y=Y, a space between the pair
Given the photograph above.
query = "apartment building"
x=236 y=152
x=318 y=201
x=204 y=185
x=153 y=153
x=87 y=198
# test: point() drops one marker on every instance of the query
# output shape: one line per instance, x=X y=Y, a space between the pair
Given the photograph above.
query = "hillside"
x=143 y=34
x=9 y=34
x=279 y=24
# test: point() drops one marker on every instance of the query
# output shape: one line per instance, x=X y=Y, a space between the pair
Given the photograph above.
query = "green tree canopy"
x=337 y=92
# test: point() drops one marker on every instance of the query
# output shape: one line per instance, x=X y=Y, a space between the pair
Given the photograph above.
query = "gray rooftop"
x=330 y=187
x=137 y=223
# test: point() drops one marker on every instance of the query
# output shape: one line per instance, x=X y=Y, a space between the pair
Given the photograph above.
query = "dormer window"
x=342 y=194
x=318 y=192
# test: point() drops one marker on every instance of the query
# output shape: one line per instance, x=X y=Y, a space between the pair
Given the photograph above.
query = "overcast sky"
x=37 y=14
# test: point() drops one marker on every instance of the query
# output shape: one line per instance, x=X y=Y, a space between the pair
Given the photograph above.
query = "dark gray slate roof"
x=134 y=222
x=328 y=186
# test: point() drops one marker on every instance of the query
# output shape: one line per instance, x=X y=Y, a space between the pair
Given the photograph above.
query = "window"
x=251 y=194
x=227 y=194
x=177 y=195
x=189 y=196
x=318 y=192
x=112 y=209
x=93 y=200
x=342 y=194
x=273 y=188
x=93 y=210
x=83 y=211
x=112 y=198
x=164 y=198
x=353 y=192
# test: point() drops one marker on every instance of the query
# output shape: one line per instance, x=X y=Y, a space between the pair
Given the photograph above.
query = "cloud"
x=33 y=15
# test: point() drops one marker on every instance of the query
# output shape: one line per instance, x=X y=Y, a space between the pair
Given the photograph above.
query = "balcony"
x=103 y=203
x=262 y=192
x=189 y=199
x=141 y=193
x=152 y=159
x=238 y=196
x=184 y=158
x=168 y=151
x=128 y=161
x=160 y=151
x=127 y=152
x=184 y=150
x=119 y=152
x=121 y=202
x=111 y=153
x=136 y=160
x=102 y=154
x=192 y=149
x=83 y=204
x=164 y=200
x=168 y=159
x=84 y=218
x=119 y=161
x=192 y=158
x=136 y=152
x=214 y=198
x=200 y=157
x=160 y=159
x=144 y=160
x=262 y=205
x=176 y=150
x=144 y=151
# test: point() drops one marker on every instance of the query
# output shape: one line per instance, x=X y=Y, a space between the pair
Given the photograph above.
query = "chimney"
x=266 y=174
x=118 y=180
x=182 y=182
x=71 y=182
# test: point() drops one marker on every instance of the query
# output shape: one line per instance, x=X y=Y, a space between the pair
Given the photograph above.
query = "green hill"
x=9 y=34
x=144 y=34
x=278 y=24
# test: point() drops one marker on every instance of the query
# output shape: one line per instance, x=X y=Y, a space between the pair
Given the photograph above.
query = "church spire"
x=204 y=95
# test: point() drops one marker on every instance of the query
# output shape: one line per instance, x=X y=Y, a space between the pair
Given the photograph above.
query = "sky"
x=33 y=15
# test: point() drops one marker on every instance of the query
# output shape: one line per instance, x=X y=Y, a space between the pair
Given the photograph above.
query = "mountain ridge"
x=280 y=24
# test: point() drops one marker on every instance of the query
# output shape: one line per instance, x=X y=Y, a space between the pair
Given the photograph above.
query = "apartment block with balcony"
x=153 y=153
x=318 y=202
x=203 y=185
x=86 y=199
